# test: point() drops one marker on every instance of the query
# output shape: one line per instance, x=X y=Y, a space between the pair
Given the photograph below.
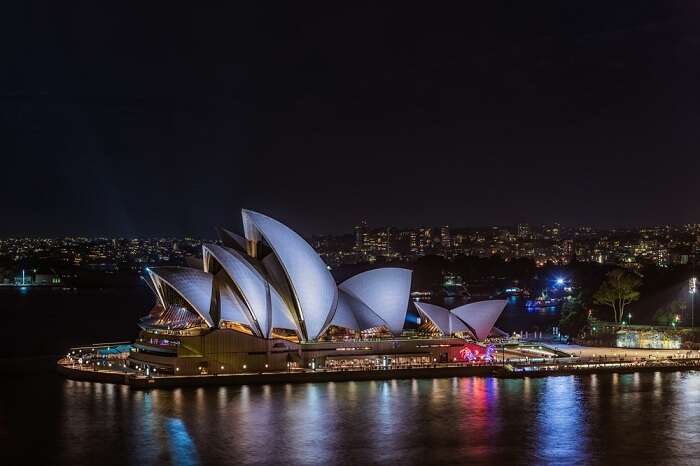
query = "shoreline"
x=143 y=382
x=140 y=382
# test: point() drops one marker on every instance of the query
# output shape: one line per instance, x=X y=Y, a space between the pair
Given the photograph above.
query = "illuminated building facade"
x=267 y=301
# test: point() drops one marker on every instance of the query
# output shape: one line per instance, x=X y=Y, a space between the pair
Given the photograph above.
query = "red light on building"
x=474 y=352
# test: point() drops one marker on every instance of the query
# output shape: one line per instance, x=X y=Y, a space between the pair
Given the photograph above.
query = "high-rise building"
x=360 y=235
x=523 y=230
x=445 y=238
x=556 y=229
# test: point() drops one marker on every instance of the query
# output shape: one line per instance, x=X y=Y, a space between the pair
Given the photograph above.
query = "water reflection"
x=598 y=419
x=182 y=449
x=560 y=432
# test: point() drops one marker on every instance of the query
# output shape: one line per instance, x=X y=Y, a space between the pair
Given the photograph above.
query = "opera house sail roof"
x=273 y=281
x=477 y=318
x=371 y=289
x=313 y=288
x=191 y=287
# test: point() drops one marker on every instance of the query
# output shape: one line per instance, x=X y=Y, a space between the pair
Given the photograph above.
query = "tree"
x=574 y=317
x=617 y=291
x=670 y=313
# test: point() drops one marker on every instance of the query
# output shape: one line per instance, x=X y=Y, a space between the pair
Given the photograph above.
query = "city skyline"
x=346 y=230
x=662 y=246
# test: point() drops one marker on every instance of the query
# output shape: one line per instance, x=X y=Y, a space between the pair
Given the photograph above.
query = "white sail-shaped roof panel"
x=481 y=316
x=446 y=321
x=313 y=287
x=456 y=325
x=438 y=315
x=385 y=291
x=281 y=316
x=266 y=305
x=366 y=318
x=344 y=315
x=248 y=281
x=194 y=286
x=250 y=231
x=278 y=278
x=233 y=309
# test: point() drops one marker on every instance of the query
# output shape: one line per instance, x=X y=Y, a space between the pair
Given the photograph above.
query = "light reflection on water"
x=560 y=430
x=598 y=419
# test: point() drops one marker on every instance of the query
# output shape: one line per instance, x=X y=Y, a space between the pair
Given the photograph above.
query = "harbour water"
x=648 y=418
x=595 y=419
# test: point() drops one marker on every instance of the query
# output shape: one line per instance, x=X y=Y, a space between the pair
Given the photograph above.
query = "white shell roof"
x=264 y=302
x=313 y=286
x=344 y=315
x=385 y=291
x=354 y=314
x=249 y=230
x=446 y=321
x=233 y=309
x=481 y=316
x=195 y=287
x=456 y=325
x=438 y=315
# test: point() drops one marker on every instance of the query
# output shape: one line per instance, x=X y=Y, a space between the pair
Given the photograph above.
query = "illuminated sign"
x=472 y=352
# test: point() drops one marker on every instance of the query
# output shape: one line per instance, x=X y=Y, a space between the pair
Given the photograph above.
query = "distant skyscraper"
x=360 y=235
x=413 y=241
x=556 y=229
x=445 y=237
x=523 y=230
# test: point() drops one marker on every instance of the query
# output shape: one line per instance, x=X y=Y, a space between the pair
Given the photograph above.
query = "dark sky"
x=161 y=120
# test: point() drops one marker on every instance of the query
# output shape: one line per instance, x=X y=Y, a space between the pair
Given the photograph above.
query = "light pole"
x=692 y=289
x=693 y=283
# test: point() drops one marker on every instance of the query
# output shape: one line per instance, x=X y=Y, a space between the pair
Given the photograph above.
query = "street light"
x=629 y=318
x=692 y=289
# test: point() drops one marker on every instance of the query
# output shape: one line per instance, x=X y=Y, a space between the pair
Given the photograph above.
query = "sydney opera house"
x=267 y=301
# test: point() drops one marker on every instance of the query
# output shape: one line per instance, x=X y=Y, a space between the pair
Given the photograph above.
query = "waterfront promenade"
x=581 y=360
x=628 y=353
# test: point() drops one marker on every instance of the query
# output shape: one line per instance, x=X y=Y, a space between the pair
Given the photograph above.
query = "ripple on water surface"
x=597 y=419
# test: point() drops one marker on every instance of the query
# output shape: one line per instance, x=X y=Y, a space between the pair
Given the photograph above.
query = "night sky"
x=161 y=120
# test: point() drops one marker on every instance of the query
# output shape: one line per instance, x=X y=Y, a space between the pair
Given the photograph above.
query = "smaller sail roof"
x=194 y=286
x=344 y=314
x=444 y=320
x=385 y=292
x=438 y=315
x=354 y=314
x=456 y=325
x=481 y=316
